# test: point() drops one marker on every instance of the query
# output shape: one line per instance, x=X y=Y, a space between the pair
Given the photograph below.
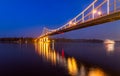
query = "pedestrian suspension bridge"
x=98 y=12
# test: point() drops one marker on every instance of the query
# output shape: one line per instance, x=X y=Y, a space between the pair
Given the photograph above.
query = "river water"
x=60 y=59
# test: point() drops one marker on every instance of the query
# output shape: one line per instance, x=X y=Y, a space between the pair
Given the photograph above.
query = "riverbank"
x=17 y=40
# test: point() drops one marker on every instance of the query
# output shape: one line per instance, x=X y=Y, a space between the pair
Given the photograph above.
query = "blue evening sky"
x=27 y=18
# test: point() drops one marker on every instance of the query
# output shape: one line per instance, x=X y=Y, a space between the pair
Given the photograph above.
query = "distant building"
x=108 y=41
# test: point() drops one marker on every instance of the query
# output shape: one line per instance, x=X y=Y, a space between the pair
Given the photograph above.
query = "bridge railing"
x=79 y=18
x=94 y=11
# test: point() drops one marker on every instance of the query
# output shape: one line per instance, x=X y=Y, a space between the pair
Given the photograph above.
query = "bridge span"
x=96 y=13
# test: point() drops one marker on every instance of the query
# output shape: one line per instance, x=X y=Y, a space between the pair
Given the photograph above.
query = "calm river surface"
x=60 y=59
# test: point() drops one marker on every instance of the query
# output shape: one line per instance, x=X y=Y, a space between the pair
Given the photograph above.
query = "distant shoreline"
x=16 y=40
x=31 y=40
x=77 y=40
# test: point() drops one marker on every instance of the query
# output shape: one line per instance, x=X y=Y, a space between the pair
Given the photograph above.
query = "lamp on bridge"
x=72 y=23
x=99 y=13
x=94 y=11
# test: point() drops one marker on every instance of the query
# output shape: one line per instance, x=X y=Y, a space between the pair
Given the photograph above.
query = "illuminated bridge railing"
x=94 y=10
x=97 y=8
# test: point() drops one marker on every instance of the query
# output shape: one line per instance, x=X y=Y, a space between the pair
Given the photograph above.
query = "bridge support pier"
x=43 y=39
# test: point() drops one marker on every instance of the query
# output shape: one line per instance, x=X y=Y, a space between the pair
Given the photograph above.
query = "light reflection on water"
x=110 y=47
x=44 y=49
x=96 y=72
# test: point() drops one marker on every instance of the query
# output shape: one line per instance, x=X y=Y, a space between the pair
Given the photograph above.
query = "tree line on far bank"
x=17 y=40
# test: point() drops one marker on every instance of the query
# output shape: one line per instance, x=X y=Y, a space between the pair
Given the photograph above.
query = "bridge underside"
x=103 y=19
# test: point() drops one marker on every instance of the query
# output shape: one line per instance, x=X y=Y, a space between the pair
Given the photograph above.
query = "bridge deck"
x=100 y=20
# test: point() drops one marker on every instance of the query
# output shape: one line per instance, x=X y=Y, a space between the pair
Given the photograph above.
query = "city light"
x=109 y=45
